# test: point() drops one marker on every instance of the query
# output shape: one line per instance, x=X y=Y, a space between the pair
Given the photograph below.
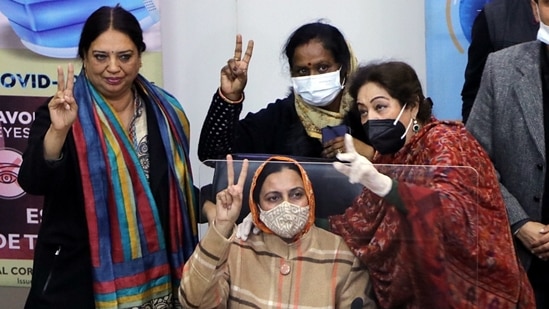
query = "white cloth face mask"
x=285 y=219
x=543 y=32
x=318 y=90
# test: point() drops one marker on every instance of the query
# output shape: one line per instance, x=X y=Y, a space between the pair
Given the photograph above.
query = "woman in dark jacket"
x=109 y=153
x=320 y=62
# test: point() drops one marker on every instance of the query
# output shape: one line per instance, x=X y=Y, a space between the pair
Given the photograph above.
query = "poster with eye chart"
x=35 y=38
x=448 y=34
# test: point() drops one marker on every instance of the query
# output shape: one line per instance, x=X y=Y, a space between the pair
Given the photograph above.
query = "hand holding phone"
x=329 y=132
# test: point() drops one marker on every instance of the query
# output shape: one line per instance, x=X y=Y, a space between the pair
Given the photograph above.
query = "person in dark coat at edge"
x=500 y=24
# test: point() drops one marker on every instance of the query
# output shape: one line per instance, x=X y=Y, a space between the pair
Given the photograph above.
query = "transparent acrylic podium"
x=445 y=217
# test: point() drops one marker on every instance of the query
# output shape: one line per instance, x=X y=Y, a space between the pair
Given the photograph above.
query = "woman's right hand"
x=63 y=107
x=234 y=75
x=229 y=201
x=63 y=113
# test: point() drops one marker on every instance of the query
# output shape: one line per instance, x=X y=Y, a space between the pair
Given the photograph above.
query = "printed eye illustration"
x=10 y=163
x=7 y=173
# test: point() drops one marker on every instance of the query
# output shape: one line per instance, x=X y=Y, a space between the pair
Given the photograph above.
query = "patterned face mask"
x=285 y=220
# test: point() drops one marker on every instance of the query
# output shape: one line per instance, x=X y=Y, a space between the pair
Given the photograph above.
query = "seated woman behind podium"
x=437 y=237
x=292 y=263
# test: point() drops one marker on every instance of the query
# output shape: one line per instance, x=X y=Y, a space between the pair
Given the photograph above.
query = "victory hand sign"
x=229 y=201
x=234 y=75
x=63 y=112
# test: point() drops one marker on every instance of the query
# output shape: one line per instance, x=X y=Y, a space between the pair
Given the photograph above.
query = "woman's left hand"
x=360 y=170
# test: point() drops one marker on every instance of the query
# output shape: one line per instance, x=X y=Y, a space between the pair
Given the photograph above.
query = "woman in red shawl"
x=430 y=224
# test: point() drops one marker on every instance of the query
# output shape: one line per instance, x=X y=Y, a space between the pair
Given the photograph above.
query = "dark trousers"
x=539 y=278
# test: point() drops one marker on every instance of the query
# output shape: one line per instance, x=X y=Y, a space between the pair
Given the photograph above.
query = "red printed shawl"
x=453 y=248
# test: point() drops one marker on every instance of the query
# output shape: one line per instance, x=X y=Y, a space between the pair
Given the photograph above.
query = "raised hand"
x=63 y=112
x=229 y=201
x=63 y=107
x=234 y=75
x=361 y=170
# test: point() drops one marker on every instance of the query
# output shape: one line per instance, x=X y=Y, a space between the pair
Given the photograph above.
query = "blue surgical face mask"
x=387 y=136
x=318 y=90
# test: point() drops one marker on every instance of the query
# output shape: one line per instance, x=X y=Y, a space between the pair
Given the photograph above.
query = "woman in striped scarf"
x=109 y=153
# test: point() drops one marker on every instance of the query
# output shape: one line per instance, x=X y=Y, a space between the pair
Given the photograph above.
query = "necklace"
x=137 y=103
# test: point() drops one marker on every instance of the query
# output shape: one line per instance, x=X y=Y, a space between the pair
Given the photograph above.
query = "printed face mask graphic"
x=52 y=28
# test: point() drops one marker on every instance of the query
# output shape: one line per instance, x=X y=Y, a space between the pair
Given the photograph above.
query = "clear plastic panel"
x=333 y=192
x=442 y=201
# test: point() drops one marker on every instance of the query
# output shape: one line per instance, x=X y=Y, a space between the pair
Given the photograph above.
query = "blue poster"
x=448 y=33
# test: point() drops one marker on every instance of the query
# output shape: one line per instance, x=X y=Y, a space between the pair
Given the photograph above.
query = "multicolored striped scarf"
x=132 y=261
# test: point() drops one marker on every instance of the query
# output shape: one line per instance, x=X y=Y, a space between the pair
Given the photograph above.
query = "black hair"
x=401 y=82
x=106 y=18
x=330 y=38
x=273 y=166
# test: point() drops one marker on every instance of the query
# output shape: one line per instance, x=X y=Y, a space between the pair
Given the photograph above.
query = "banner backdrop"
x=448 y=34
x=36 y=37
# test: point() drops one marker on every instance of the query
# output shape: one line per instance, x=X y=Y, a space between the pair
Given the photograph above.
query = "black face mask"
x=385 y=136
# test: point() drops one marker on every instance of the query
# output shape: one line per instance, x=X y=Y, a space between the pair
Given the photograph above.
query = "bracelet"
x=230 y=101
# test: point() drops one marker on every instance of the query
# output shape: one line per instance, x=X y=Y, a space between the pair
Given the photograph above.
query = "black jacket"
x=502 y=23
x=275 y=129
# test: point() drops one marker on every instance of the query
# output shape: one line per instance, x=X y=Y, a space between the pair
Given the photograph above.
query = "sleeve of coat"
x=205 y=279
x=357 y=288
x=37 y=175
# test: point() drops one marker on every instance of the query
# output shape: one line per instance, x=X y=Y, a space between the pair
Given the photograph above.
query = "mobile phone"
x=329 y=132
